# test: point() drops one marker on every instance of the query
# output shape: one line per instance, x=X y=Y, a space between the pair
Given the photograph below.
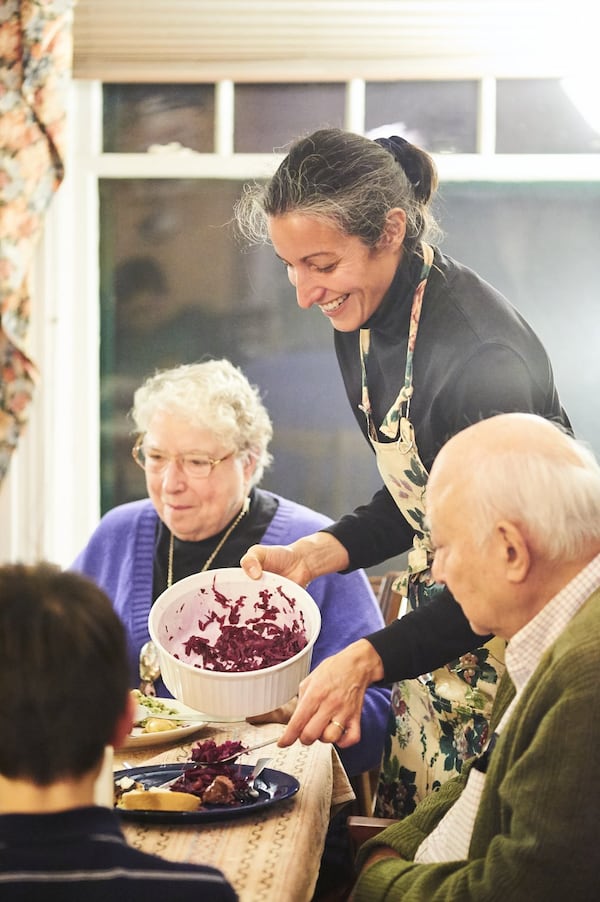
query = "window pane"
x=268 y=117
x=537 y=116
x=439 y=116
x=175 y=288
x=537 y=243
x=138 y=116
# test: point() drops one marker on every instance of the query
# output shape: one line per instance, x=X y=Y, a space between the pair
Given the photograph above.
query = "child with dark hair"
x=64 y=684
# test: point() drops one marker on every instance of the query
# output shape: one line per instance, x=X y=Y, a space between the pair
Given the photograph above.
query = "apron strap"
x=389 y=426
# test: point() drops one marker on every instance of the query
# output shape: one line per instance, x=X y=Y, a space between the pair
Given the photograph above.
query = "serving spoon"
x=149 y=668
x=191 y=765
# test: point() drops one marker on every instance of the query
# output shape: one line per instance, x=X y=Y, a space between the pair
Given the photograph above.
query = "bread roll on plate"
x=159 y=800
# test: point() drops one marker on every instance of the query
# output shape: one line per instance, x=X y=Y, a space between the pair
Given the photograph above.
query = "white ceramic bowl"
x=224 y=695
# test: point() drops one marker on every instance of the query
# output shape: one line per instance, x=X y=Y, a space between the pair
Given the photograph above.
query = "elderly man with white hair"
x=514 y=509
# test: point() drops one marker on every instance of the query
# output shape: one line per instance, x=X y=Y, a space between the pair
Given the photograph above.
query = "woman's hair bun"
x=417 y=165
x=394 y=145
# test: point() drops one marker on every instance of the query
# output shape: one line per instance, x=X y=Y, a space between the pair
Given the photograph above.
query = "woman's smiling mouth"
x=332 y=306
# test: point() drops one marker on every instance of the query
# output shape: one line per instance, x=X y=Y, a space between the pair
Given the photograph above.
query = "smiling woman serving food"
x=425 y=347
x=203 y=437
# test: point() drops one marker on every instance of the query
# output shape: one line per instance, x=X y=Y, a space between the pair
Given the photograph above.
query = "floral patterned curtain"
x=35 y=67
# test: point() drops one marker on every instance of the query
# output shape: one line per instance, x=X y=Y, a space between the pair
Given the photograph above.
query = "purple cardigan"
x=119 y=558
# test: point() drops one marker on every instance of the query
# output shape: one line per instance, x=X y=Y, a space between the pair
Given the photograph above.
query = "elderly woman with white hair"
x=203 y=437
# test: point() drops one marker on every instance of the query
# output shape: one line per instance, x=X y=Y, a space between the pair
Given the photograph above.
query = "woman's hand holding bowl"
x=302 y=561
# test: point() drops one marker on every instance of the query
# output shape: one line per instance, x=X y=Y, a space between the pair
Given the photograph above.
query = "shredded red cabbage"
x=258 y=644
x=210 y=752
x=196 y=780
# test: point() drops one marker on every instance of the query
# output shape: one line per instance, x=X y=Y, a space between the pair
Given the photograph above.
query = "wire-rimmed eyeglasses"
x=195 y=466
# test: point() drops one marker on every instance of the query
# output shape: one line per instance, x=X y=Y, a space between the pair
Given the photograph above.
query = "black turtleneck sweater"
x=475 y=356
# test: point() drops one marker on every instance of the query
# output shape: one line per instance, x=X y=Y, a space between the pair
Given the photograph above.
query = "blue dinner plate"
x=272 y=786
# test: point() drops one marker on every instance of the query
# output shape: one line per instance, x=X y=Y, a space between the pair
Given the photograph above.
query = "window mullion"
x=224 y=117
x=354 y=115
x=486 y=116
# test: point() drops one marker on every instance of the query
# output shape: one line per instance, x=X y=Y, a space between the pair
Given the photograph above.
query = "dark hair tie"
x=401 y=149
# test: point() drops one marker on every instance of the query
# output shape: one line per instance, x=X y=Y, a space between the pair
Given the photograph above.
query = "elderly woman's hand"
x=331 y=697
x=302 y=561
x=279 y=715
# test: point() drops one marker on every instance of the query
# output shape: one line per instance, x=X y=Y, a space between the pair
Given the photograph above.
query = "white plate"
x=138 y=739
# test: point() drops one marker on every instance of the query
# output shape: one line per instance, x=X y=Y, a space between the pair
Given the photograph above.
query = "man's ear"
x=394 y=229
x=124 y=723
x=515 y=551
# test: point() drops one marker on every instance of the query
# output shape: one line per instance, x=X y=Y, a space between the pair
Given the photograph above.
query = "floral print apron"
x=441 y=719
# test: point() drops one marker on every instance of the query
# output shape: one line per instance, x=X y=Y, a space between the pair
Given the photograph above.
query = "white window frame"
x=50 y=501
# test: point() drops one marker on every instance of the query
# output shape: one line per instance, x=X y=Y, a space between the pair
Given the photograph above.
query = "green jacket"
x=537 y=831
